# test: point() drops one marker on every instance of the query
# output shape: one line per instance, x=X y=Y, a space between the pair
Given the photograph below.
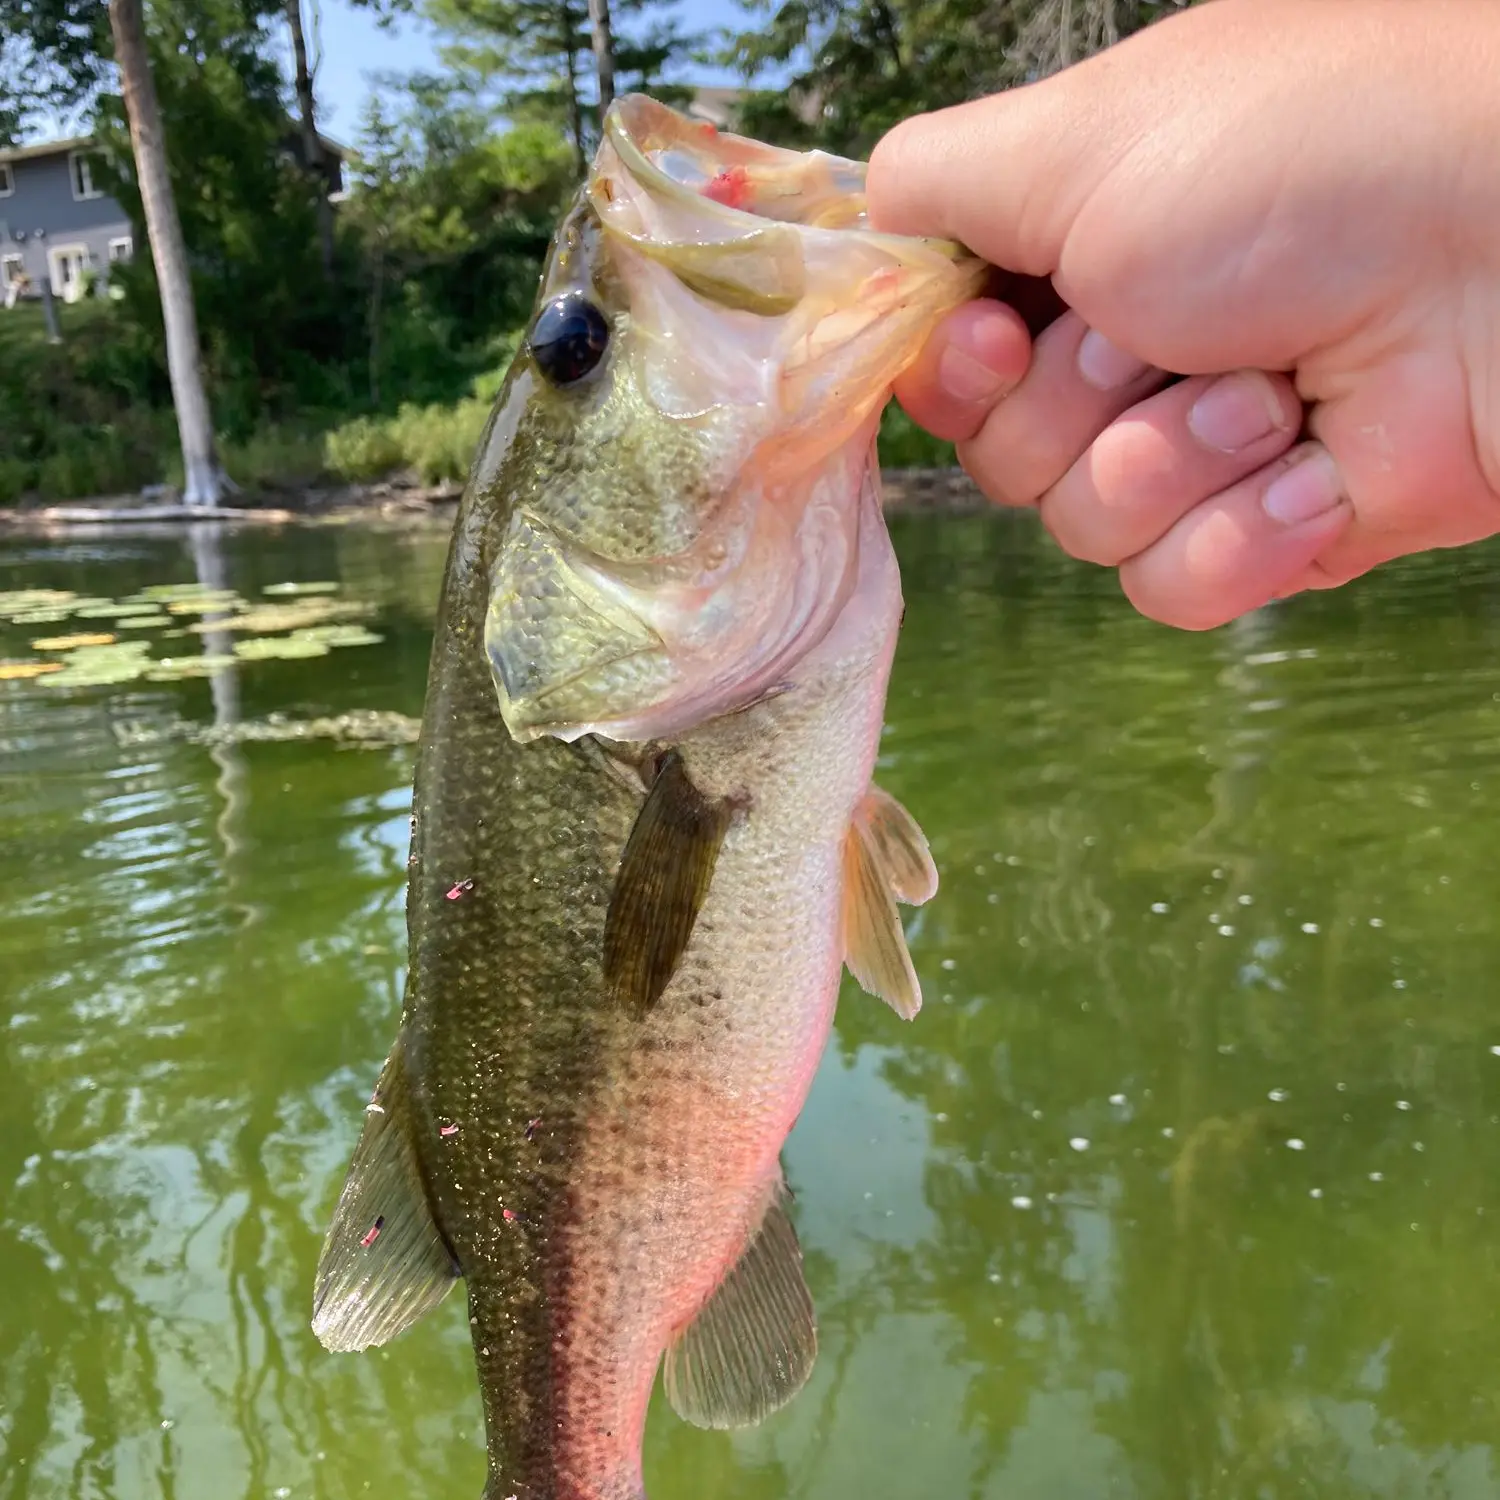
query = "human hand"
x=1293 y=205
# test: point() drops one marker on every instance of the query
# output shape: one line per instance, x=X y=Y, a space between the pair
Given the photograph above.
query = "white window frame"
x=128 y=241
x=54 y=254
x=8 y=259
x=7 y=179
x=79 y=171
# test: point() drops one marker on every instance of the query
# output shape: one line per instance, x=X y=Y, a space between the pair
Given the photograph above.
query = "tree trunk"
x=604 y=53
x=204 y=481
x=569 y=39
x=312 y=147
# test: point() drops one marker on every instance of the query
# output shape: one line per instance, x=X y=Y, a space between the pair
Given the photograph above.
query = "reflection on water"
x=1182 y=1185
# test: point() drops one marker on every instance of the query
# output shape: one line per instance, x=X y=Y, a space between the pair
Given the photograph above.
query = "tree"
x=203 y=480
x=855 y=68
x=537 y=55
x=314 y=156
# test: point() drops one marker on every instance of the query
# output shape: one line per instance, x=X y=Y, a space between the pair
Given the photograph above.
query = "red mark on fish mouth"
x=374 y=1233
x=731 y=187
x=448 y=1130
x=460 y=889
x=532 y=1126
x=509 y=1215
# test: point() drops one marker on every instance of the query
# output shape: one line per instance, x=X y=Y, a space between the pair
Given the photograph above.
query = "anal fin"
x=753 y=1343
x=886 y=860
x=384 y=1262
x=665 y=873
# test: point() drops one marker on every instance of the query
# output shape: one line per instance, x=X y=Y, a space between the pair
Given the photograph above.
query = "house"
x=57 y=224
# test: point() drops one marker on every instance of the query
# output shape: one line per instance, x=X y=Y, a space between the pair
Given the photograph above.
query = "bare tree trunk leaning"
x=312 y=145
x=203 y=481
x=604 y=53
x=569 y=38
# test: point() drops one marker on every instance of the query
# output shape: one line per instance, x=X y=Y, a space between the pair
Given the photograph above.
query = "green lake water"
x=1185 y=1183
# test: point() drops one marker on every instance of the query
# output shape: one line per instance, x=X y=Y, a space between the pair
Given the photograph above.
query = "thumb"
x=1005 y=176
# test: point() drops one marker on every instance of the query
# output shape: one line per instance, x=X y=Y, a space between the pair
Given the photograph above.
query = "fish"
x=645 y=839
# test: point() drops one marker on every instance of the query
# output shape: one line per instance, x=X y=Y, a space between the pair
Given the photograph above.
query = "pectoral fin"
x=753 y=1343
x=886 y=859
x=384 y=1262
x=664 y=878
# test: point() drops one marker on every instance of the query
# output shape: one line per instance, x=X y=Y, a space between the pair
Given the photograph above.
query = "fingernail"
x=1308 y=489
x=1235 y=411
x=1105 y=366
x=967 y=379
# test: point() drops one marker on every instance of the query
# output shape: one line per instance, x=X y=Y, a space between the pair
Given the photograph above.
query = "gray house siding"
x=43 y=198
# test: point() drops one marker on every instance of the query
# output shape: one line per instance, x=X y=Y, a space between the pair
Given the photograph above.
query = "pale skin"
x=1295 y=205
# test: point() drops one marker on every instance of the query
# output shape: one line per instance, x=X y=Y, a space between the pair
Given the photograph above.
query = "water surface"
x=1186 y=1183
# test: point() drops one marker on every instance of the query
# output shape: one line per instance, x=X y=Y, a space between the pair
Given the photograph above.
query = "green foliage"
x=434 y=442
x=904 y=445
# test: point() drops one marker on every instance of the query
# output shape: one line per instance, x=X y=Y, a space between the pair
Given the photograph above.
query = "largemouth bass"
x=645 y=839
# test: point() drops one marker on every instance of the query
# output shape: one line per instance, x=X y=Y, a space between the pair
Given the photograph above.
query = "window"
x=7 y=179
x=81 y=170
x=12 y=270
x=122 y=248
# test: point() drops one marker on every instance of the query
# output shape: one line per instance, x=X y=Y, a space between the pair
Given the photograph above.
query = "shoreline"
x=397 y=500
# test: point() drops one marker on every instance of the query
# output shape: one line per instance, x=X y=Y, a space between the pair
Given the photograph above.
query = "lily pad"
x=147 y=622
x=204 y=604
x=121 y=610
x=39 y=617
x=339 y=635
x=267 y=619
x=20 y=671
x=176 y=668
x=15 y=602
x=70 y=642
x=288 y=589
x=279 y=647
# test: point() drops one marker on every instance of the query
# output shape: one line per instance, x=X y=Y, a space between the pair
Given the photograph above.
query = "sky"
x=349 y=48
x=353 y=47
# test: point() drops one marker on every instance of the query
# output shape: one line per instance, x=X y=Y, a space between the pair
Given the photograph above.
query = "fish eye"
x=569 y=339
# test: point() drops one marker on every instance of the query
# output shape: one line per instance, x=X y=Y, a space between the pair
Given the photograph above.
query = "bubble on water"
x=1245 y=900
x=948 y=963
x=1495 y=1051
x=994 y=1278
x=1168 y=1131
x=1276 y=1095
x=941 y=1117
x=282 y=1491
x=1160 y=908
x=1377 y=1176
x=1020 y=1201
x=1117 y=1099
x=1315 y=1192
x=1079 y=1143
x=1403 y=1104
x=1341 y=1087
x=1398 y=984
x=1296 y=1144
x=1377 y=921
x=1036 y=1114
x=1309 y=927
x=1213 y=916
x=1226 y=929
x=1418 y=1146
x=167 y=1424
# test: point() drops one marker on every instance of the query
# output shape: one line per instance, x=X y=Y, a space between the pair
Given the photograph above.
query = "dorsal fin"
x=886 y=859
x=384 y=1262
x=753 y=1343
x=665 y=873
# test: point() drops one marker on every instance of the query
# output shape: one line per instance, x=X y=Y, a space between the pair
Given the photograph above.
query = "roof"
x=46 y=148
x=83 y=142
